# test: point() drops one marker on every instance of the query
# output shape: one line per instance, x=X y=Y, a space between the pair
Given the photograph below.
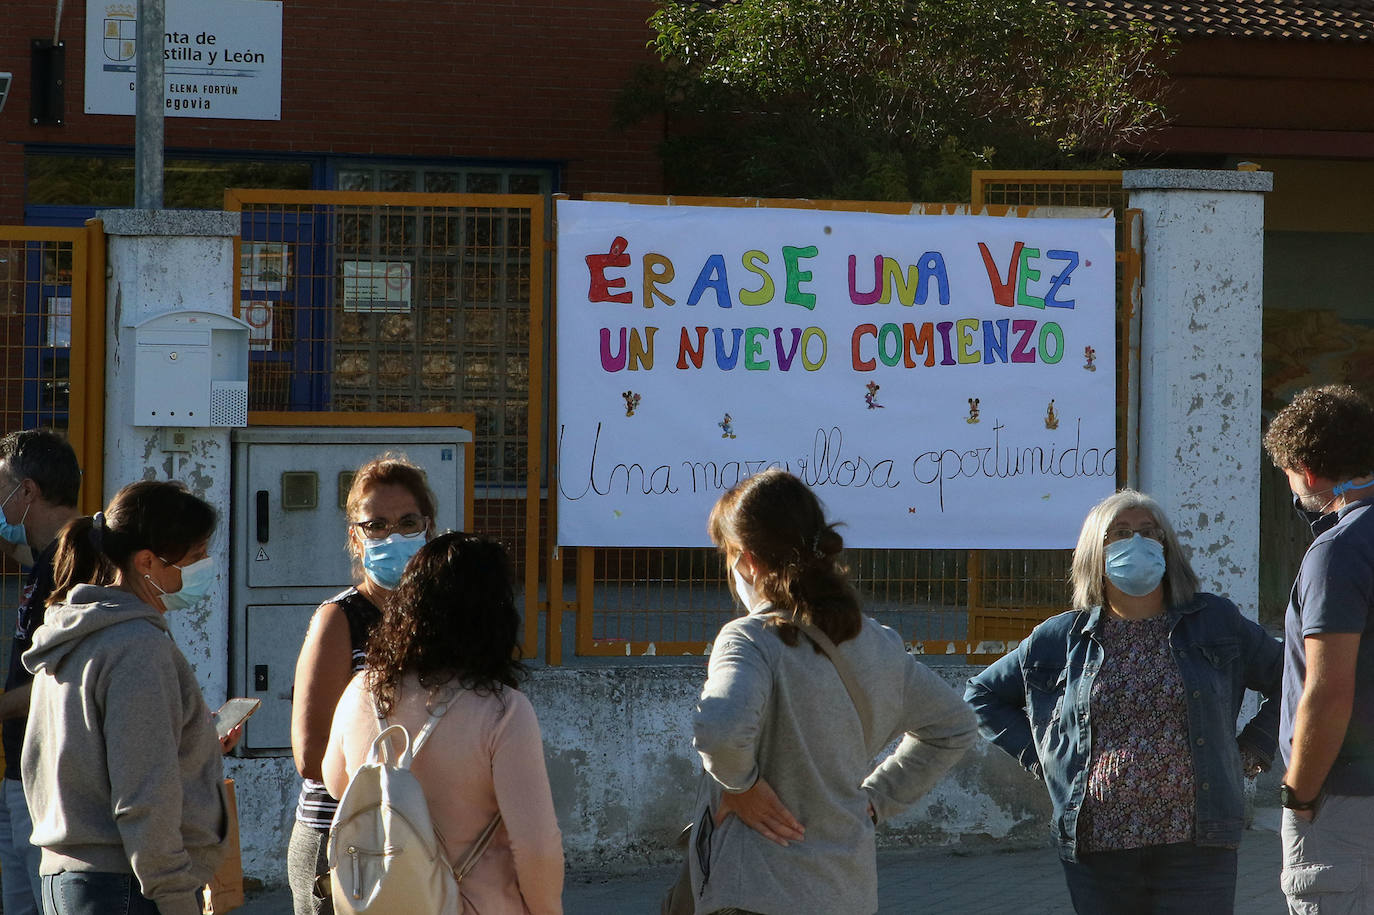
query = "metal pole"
x=149 y=93
x=1133 y=237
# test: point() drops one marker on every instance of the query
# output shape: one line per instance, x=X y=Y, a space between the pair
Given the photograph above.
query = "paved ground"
x=920 y=880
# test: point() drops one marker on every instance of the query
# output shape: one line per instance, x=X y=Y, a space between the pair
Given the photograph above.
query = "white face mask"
x=743 y=587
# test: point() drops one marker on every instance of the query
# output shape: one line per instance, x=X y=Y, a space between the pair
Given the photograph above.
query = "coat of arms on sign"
x=121 y=28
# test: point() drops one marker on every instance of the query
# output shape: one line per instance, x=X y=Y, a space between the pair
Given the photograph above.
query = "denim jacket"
x=1034 y=704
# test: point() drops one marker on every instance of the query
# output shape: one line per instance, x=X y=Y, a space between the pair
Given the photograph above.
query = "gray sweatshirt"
x=121 y=766
x=782 y=713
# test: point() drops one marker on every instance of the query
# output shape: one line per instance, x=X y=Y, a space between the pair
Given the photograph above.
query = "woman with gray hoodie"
x=121 y=764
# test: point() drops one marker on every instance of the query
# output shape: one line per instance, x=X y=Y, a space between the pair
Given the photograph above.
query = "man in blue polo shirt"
x=1324 y=442
x=39 y=482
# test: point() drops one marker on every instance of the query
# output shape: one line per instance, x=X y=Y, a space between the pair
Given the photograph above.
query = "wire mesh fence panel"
x=42 y=290
x=1014 y=579
x=1019 y=588
x=920 y=593
x=36 y=316
x=673 y=601
x=394 y=303
x=645 y=598
x=1076 y=189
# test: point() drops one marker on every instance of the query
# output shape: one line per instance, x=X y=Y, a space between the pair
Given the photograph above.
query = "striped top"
x=315 y=807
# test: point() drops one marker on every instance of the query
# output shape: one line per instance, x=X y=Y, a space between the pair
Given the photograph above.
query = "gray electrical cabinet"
x=289 y=545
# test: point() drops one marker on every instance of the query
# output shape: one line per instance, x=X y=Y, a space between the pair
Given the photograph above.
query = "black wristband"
x=1290 y=800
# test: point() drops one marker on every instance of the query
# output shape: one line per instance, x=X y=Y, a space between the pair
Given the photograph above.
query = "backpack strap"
x=478 y=847
x=383 y=750
x=412 y=747
x=434 y=715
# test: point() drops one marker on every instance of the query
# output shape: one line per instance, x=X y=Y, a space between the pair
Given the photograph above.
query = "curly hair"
x=451 y=620
x=1328 y=430
x=778 y=519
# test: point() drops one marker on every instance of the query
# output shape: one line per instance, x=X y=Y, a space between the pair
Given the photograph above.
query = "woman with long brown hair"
x=121 y=765
x=787 y=732
x=444 y=661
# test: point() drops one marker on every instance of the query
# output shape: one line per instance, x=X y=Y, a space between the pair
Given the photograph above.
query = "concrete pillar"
x=163 y=260
x=159 y=261
x=1199 y=383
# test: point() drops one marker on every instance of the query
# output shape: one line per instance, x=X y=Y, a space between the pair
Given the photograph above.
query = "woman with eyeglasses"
x=390 y=510
x=1126 y=707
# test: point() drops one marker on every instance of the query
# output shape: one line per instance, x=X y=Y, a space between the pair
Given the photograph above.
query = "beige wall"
x=1317 y=195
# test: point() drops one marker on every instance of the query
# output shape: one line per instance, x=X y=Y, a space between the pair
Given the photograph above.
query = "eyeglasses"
x=1117 y=534
x=379 y=529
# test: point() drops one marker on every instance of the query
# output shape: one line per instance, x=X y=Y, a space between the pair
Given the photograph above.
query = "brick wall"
x=1269 y=97
x=522 y=79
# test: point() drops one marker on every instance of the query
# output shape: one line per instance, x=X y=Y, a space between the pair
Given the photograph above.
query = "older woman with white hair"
x=1126 y=707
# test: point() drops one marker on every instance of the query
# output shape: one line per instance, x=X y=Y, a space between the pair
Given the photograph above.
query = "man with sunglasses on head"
x=1324 y=442
x=39 y=480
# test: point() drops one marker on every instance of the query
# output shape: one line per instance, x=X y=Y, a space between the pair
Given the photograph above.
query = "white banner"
x=222 y=58
x=940 y=381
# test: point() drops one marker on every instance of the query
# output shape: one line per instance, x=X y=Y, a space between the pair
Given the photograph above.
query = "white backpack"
x=385 y=856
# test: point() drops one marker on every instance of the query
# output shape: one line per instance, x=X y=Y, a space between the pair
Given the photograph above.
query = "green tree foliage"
x=888 y=99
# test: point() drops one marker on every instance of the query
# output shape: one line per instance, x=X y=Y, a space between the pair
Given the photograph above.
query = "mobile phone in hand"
x=234 y=713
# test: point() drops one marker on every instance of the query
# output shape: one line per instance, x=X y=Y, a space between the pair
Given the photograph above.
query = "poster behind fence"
x=941 y=381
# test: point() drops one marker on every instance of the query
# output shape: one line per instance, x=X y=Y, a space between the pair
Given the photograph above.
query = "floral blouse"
x=1140 y=773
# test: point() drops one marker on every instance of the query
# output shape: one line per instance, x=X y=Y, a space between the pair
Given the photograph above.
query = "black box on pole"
x=47 y=77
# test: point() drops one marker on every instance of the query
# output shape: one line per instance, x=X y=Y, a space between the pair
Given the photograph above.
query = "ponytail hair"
x=778 y=520
x=149 y=515
x=78 y=560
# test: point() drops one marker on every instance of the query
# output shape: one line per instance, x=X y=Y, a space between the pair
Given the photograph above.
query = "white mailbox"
x=191 y=369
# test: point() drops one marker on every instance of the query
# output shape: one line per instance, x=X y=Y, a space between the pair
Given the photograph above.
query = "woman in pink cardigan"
x=448 y=637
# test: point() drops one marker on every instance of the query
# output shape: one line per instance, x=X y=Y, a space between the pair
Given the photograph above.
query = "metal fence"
x=1004 y=613
x=52 y=298
x=52 y=306
x=404 y=303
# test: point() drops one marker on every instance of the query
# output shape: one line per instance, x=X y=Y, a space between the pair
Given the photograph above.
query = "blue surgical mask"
x=1136 y=566
x=1350 y=485
x=385 y=560
x=196 y=581
x=13 y=533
